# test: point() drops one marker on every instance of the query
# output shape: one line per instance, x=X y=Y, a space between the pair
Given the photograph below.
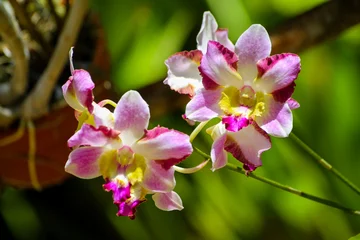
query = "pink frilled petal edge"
x=277 y=72
x=277 y=120
x=183 y=74
x=132 y=116
x=218 y=67
x=204 y=105
x=158 y=179
x=84 y=162
x=167 y=146
x=168 y=201
x=247 y=145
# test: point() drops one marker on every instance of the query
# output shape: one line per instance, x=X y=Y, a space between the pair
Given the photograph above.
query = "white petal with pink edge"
x=277 y=72
x=84 y=162
x=277 y=119
x=218 y=65
x=247 y=145
x=103 y=116
x=253 y=45
x=132 y=116
x=163 y=144
x=183 y=73
x=222 y=37
x=168 y=201
x=158 y=179
x=204 y=105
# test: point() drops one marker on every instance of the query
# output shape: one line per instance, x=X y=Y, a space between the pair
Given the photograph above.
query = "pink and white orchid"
x=183 y=74
x=133 y=161
x=248 y=89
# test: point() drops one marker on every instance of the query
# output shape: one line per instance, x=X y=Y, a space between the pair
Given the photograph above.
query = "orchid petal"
x=293 y=104
x=183 y=73
x=204 y=105
x=163 y=144
x=77 y=91
x=103 y=116
x=158 y=179
x=168 y=201
x=277 y=72
x=277 y=118
x=84 y=162
x=190 y=170
x=95 y=137
x=219 y=156
x=253 y=45
x=247 y=145
x=222 y=37
x=132 y=116
x=218 y=66
x=207 y=31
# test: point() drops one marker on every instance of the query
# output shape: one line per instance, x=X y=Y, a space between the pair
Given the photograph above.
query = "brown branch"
x=37 y=102
x=59 y=22
x=26 y=22
x=317 y=25
x=11 y=34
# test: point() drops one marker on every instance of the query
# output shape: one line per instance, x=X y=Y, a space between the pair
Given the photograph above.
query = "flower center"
x=244 y=102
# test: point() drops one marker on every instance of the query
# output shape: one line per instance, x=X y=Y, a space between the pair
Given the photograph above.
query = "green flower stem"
x=197 y=130
x=297 y=192
x=325 y=164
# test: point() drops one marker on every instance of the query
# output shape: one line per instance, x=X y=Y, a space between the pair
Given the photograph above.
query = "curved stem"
x=197 y=130
x=325 y=164
x=297 y=192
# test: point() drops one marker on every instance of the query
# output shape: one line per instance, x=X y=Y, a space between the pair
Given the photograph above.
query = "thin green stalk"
x=197 y=130
x=297 y=192
x=325 y=164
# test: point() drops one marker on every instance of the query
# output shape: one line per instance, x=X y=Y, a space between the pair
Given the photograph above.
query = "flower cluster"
x=242 y=85
x=133 y=161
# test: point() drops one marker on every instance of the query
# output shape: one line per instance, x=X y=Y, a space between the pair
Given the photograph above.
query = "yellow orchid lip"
x=243 y=102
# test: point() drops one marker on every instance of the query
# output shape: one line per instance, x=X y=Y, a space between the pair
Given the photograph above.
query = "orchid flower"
x=183 y=74
x=78 y=93
x=248 y=89
x=133 y=161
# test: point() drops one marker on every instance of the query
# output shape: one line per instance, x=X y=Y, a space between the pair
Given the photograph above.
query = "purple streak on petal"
x=282 y=95
x=247 y=145
x=219 y=65
x=234 y=123
x=83 y=86
x=277 y=72
x=204 y=105
x=90 y=136
x=207 y=82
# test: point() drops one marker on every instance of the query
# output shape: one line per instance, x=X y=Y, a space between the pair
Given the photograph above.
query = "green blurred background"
x=221 y=205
